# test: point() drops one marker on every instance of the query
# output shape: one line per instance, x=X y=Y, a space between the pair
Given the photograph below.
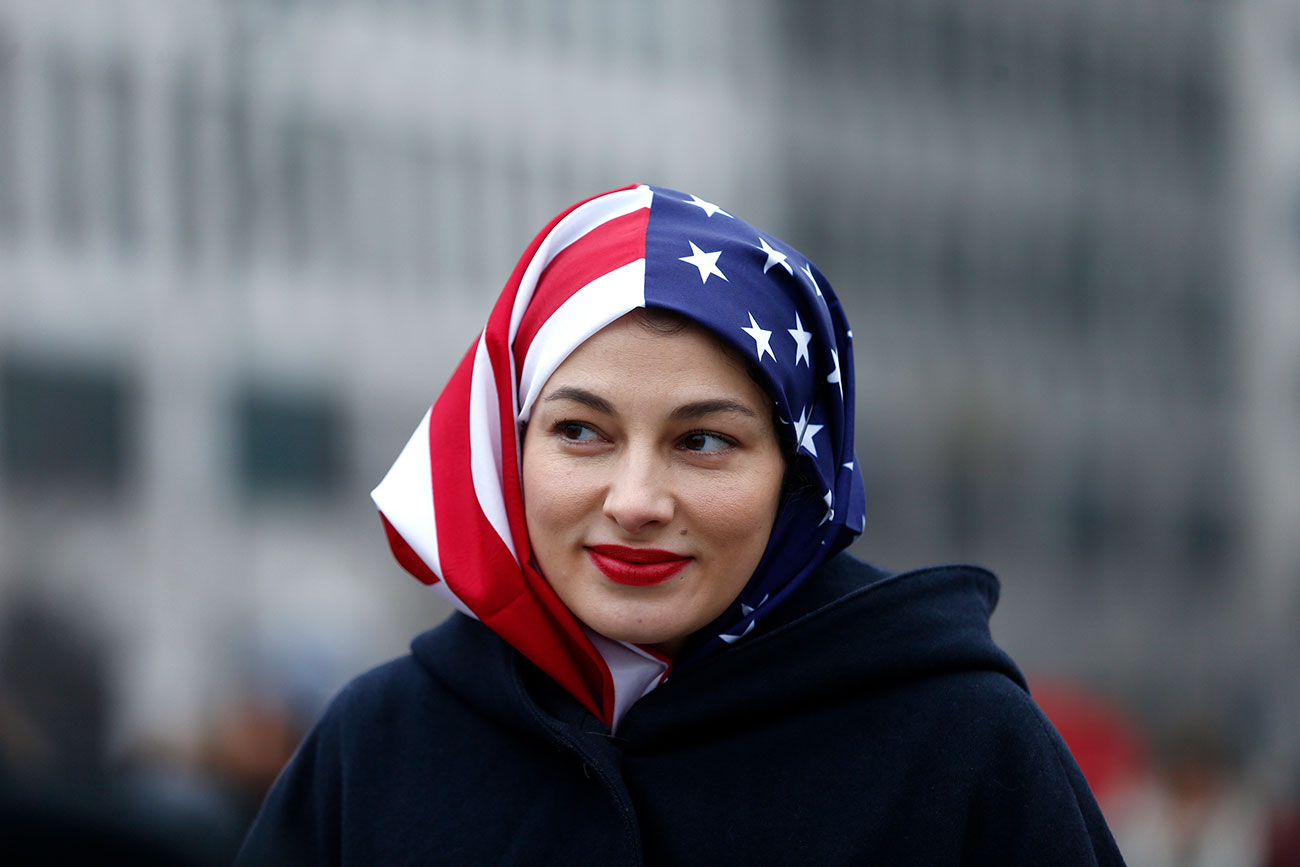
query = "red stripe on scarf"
x=605 y=248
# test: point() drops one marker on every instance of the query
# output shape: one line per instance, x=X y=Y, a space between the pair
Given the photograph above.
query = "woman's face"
x=651 y=476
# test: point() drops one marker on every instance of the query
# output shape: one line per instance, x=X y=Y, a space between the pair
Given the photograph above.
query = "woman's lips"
x=639 y=567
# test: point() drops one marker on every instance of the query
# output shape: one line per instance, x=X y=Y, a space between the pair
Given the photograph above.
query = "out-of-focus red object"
x=1105 y=740
x=1284 y=837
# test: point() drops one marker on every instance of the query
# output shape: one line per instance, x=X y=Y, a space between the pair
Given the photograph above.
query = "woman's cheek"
x=751 y=493
x=564 y=486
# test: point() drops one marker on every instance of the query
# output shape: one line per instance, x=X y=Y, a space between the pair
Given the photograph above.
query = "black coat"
x=872 y=720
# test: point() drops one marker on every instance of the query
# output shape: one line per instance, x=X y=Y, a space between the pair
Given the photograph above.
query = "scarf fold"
x=452 y=504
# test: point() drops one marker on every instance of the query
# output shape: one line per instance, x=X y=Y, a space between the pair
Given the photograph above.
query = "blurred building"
x=243 y=243
x=1080 y=366
x=1266 y=237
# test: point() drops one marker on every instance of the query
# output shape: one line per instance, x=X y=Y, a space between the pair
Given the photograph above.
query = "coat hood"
x=855 y=628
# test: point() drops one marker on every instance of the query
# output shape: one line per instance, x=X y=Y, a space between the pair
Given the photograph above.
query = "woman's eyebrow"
x=708 y=407
x=582 y=396
x=694 y=409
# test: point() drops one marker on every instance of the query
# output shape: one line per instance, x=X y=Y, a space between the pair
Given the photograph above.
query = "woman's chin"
x=663 y=637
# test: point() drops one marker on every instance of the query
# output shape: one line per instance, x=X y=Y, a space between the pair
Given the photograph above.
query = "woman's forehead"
x=629 y=355
x=634 y=337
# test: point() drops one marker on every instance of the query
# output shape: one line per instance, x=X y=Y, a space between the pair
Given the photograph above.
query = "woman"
x=636 y=488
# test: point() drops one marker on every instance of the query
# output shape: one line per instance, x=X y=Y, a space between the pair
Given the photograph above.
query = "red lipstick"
x=638 y=567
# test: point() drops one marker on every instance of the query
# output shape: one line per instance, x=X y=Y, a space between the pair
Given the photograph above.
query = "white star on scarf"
x=830 y=512
x=835 y=375
x=774 y=257
x=802 y=338
x=807 y=269
x=732 y=639
x=706 y=262
x=762 y=338
x=708 y=208
x=804 y=431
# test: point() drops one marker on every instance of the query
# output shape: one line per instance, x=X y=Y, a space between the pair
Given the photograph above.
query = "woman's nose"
x=638 y=495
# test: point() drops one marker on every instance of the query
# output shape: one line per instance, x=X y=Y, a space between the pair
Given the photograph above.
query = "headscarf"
x=452 y=504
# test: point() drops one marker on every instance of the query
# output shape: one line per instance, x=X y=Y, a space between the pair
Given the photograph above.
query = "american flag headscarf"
x=452 y=504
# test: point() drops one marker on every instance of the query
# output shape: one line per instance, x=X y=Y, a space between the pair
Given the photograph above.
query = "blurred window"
x=63 y=424
x=333 y=183
x=293 y=187
x=473 y=227
x=368 y=198
x=1081 y=272
x=560 y=24
x=470 y=13
x=238 y=178
x=953 y=265
x=1075 y=75
x=1206 y=326
x=811 y=26
x=10 y=129
x=1199 y=119
x=314 y=188
x=961 y=492
x=352 y=182
x=64 y=146
x=647 y=24
x=387 y=190
x=288 y=443
x=425 y=240
x=951 y=42
x=1208 y=532
x=1085 y=512
x=185 y=161
x=123 y=162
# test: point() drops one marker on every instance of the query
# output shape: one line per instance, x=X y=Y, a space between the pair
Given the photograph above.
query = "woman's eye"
x=705 y=442
x=577 y=432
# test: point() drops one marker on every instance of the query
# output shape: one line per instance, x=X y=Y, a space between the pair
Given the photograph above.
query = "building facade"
x=242 y=245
